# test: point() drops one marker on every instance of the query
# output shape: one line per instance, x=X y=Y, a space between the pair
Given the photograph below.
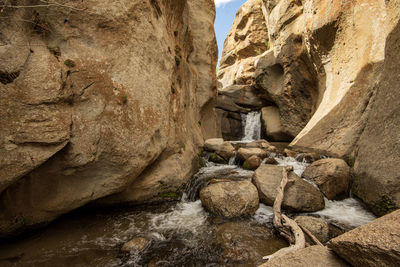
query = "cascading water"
x=252 y=126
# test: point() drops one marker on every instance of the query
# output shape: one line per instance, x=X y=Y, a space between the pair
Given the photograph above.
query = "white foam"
x=348 y=211
x=298 y=167
x=252 y=126
x=264 y=214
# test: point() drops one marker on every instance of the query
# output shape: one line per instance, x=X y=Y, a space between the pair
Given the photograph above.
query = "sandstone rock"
x=214 y=157
x=230 y=199
x=306 y=257
x=272 y=124
x=242 y=95
x=137 y=244
x=271 y=160
x=252 y=163
x=98 y=99
x=331 y=175
x=374 y=244
x=318 y=227
x=245 y=153
x=230 y=124
x=299 y=194
x=221 y=147
x=236 y=247
x=263 y=144
x=247 y=39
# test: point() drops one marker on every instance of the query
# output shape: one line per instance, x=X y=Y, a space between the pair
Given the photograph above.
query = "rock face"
x=310 y=256
x=101 y=99
x=328 y=80
x=318 y=227
x=299 y=195
x=230 y=199
x=374 y=244
x=331 y=175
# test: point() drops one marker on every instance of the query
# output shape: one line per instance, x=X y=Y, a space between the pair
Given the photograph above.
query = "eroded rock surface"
x=94 y=95
x=374 y=244
x=299 y=195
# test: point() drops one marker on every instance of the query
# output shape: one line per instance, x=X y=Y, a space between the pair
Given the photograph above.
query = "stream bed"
x=180 y=233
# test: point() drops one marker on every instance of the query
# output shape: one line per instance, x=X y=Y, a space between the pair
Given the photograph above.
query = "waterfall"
x=252 y=126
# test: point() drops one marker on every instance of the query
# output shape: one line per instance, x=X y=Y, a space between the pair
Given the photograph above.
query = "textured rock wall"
x=101 y=98
x=330 y=79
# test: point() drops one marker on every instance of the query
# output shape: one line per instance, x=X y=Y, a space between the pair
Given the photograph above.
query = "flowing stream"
x=180 y=233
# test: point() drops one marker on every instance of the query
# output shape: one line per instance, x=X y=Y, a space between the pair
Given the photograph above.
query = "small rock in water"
x=221 y=147
x=263 y=144
x=245 y=153
x=271 y=161
x=331 y=175
x=252 y=163
x=230 y=199
x=290 y=153
x=317 y=226
x=214 y=157
x=308 y=157
x=137 y=244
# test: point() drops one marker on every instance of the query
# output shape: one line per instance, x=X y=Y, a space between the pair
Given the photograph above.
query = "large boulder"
x=331 y=175
x=245 y=153
x=221 y=147
x=230 y=199
x=271 y=121
x=242 y=95
x=306 y=257
x=107 y=92
x=317 y=226
x=300 y=195
x=374 y=244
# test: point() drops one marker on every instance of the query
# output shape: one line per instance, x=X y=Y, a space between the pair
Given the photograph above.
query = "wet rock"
x=252 y=163
x=299 y=194
x=318 y=227
x=214 y=157
x=236 y=238
x=221 y=147
x=230 y=199
x=374 y=244
x=263 y=144
x=290 y=153
x=331 y=175
x=245 y=153
x=272 y=124
x=270 y=160
x=137 y=244
x=230 y=124
x=306 y=257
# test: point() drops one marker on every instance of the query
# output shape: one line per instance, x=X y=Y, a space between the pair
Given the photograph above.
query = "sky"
x=226 y=11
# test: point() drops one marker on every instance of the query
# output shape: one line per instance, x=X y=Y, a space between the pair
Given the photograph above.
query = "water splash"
x=298 y=167
x=252 y=126
x=348 y=212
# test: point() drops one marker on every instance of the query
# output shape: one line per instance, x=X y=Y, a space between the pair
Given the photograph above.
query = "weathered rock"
x=374 y=244
x=221 y=147
x=252 y=163
x=299 y=194
x=318 y=227
x=263 y=144
x=230 y=199
x=247 y=39
x=137 y=244
x=271 y=160
x=331 y=175
x=236 y=247
x=230 y=124
x=106 y=91
x=306 y=257
x=242 y=95
x=245 y=153
x=272 y=124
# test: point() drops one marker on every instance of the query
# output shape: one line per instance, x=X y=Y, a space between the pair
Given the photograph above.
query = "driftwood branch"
x=287 y=227
x=310 y=235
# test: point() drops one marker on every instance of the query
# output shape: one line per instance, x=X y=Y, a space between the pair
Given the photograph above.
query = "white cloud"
x=219 y=3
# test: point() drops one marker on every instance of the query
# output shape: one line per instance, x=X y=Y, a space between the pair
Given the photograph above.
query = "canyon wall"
x=101 y=101
x=328 y=80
